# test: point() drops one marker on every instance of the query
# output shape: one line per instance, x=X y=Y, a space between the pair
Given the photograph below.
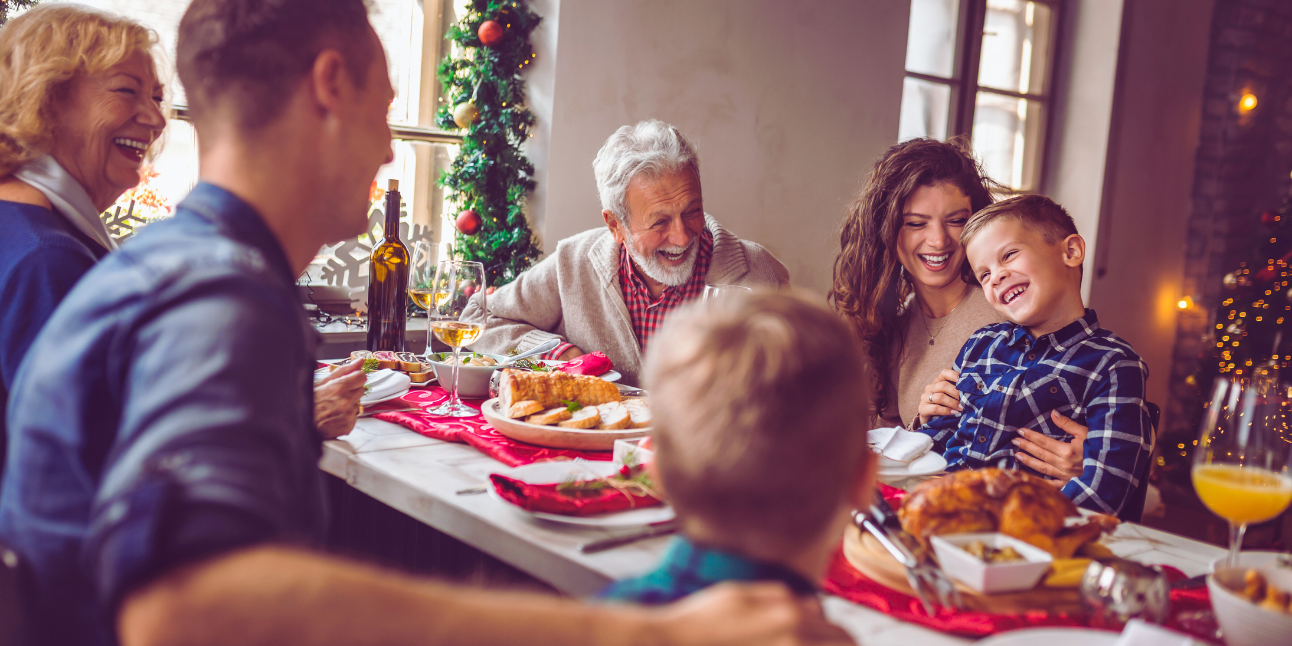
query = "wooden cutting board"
x=871 y=559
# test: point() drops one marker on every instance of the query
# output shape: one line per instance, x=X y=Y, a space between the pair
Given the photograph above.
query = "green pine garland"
x=9 y=6
x=490 y=174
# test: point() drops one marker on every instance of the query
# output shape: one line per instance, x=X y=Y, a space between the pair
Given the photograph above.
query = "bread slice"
x=521 y=409
x=359 y=355
x=409 y=362
x=583 y=418
x=386 y=360
x=421 y=377
x=638 y=413
x=550 y=416
x=614 y=416
x=552 y=388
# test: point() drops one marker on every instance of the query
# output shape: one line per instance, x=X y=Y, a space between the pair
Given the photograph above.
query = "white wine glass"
x=456 y=283
x=1240 y=466
x=421 y=285
x=713 y=292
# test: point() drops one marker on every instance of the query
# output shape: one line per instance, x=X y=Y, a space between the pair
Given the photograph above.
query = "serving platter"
x=563 y=471
x=870 y=558
x=555 y=436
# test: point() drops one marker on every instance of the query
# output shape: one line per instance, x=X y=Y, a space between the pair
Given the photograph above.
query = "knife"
x=658 y=529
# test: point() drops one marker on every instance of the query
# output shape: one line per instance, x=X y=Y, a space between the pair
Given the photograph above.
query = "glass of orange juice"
x=1241 y=465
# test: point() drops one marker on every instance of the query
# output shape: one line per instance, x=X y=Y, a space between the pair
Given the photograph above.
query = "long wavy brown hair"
x=870 y=288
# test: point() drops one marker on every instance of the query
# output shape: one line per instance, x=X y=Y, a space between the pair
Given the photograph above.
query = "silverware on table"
x=370 y=413
x=930 y=583
x=472 y=491
x=549 y=344
x=650 y=531
x=629 y=391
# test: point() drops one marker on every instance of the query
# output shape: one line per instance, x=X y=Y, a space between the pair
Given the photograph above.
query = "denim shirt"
x=163 y=415
x=688 y=568
x=1008 y=381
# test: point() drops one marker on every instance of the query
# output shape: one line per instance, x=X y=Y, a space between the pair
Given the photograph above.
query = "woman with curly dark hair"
x=898 y=279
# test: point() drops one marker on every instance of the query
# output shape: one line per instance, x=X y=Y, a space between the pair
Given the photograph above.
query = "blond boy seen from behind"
x=760 y=440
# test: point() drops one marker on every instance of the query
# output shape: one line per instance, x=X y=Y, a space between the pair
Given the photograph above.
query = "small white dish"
x=1242 y=622
x=562 y=471
x=991 y=577
x=1052 y=637
x=1255 y=560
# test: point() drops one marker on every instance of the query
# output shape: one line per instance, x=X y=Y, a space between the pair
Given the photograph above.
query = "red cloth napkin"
x=475 y=431
x=546 y=498
x=591 y=365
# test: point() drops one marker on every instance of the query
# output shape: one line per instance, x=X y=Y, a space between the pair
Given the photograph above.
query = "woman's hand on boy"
x=1061 y=461
x=940 y=397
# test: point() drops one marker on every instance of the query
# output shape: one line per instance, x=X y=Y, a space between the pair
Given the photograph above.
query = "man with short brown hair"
x=170 y=492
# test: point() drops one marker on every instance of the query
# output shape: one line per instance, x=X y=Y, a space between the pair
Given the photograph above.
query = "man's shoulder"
x=737 y=259
x=194 y=252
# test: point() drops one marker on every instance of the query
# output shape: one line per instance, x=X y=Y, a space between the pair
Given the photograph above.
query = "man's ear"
x=329 y=81
x=616 y=228
x=1074 y=250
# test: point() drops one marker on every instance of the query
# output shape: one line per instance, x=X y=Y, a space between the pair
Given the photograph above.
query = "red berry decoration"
x=490 y=33
x=469 y=222
x=1270 y=218
x=490 y=291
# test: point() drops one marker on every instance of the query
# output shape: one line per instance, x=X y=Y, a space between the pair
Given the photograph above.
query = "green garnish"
x=572 y=406
x=370 y=364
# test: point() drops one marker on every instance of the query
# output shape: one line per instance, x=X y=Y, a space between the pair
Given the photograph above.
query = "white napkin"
x=67 y=196
x=897 y=447
x=383 y=384
x=1141 y=633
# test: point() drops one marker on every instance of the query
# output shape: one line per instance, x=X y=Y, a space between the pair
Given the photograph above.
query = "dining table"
x=443 y=484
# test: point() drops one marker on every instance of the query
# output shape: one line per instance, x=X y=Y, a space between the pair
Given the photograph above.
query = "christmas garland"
x=491 y=177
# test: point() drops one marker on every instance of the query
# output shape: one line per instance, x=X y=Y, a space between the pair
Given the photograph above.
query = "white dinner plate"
x=925 y=465
x=1052 y=637
x=558 y=472
x=369 y=401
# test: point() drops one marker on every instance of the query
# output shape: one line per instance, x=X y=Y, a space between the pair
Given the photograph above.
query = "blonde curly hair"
x=40 y=53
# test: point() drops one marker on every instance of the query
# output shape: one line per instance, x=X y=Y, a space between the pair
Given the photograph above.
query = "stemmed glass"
x=712 y=292
x=456 y=283
x=421 y=284
x=1240 y=467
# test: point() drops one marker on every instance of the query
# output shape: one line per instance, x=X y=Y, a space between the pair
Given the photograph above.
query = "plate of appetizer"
x=567 y=471
x=565 y=411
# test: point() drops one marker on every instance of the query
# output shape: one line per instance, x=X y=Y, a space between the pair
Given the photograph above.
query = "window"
x=411 y=32
x=983 y=68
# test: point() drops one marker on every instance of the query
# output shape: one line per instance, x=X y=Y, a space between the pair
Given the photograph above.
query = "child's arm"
x=1118 y=447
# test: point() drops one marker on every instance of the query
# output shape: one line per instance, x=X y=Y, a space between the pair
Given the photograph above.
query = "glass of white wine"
x=456 y=283
x=421 y=284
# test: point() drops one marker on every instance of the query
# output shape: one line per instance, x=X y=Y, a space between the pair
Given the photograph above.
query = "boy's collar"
x=1066 y=336
x=715 y=565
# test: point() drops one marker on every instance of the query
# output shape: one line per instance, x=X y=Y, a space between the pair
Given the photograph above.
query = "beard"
x=654 y=266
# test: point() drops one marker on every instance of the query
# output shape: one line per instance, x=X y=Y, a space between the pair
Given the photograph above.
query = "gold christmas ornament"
x=465 y=114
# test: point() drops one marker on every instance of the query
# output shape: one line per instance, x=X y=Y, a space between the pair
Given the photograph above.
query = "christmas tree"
x=490 y=178
x=10 y=6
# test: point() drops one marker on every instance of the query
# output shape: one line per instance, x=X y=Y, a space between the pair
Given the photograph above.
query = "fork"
x=928 y=581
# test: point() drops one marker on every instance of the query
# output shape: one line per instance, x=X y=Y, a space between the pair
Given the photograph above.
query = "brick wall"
x=1242 y=169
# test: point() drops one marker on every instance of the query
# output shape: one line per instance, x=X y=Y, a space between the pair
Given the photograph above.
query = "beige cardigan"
x=574 y=295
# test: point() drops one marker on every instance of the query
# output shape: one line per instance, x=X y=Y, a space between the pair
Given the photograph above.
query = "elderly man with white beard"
x=608 y=289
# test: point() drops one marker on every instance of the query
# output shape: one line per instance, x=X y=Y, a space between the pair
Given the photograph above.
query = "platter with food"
x=989 y=503
x=560 y=410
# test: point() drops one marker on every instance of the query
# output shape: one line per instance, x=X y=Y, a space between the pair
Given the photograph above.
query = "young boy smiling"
x=1051 y=355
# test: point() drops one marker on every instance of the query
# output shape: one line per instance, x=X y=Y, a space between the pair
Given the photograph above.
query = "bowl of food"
x=1253 y=605
x=475 y=371
x=991 y=562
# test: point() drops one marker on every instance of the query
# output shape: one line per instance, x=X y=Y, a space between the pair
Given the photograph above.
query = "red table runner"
x=843 y=580
x=475 y=431
x=549 y=498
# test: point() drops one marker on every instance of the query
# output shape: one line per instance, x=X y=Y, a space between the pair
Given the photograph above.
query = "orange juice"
x=1242 y=494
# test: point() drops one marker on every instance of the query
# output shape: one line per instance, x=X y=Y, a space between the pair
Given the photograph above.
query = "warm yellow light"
x=1185 y=303
x=1247 y=103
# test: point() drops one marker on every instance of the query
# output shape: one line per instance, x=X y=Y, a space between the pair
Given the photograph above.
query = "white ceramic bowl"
x=474 y=380
x=1243 y=623
x=994 y=577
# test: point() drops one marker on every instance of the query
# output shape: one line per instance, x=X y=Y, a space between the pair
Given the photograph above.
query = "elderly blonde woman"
x=80 y=109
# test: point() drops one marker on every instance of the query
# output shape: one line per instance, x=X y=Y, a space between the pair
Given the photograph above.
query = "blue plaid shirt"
x=1008 y=381
x=688 y=568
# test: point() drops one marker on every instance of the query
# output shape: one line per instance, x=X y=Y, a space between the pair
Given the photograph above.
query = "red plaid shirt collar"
x=647 y=313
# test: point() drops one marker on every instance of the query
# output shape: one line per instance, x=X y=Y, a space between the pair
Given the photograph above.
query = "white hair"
x=651 y=147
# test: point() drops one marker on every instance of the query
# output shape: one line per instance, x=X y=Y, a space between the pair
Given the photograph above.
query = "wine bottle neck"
x=392 y=216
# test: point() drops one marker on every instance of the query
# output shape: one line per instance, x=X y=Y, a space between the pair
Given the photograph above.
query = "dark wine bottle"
x=388 y=282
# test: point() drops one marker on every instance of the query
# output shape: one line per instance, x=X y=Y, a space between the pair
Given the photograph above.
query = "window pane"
x=931 y=40
x=1007 y=137
x=925 y=107
x=1016 y=46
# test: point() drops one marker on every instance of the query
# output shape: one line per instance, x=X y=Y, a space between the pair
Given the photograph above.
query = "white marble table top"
x=421 y=476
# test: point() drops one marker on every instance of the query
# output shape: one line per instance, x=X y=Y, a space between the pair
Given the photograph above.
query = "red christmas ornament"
x=1270 y=218
x=469 y=222
x=490 y=33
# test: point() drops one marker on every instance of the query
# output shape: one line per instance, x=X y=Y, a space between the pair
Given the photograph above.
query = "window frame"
x=972 y=18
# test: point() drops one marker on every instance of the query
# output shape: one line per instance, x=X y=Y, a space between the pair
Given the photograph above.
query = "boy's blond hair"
x=760 y=415
x=1039 y=212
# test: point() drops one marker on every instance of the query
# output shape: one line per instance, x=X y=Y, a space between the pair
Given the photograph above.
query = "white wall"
x=789 y=103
